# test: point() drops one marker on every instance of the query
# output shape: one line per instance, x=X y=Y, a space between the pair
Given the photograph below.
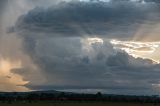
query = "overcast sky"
x=112 y=46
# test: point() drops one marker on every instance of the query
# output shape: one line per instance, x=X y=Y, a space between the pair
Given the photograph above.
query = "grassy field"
x=76 y=104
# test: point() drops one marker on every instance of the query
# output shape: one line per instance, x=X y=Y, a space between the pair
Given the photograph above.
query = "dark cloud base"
x=111 y=20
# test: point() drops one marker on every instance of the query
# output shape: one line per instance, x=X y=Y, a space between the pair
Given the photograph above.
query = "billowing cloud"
x=74 y=63
x=138 y=49
x=62 y=41
x=66 y=45
x=105 y=19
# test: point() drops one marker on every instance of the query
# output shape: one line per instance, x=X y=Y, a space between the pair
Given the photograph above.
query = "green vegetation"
x=50 y=103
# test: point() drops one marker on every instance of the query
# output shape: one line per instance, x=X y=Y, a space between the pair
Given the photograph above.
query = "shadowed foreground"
x=57 y=98
x=48 y=103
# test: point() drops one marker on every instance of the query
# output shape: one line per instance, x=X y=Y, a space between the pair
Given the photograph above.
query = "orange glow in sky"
x=9 y=80
x=146 y=50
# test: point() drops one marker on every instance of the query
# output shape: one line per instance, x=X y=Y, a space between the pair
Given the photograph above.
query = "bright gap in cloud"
x=95 y=40
x=144 y=50
x=10 y=81
x=88 y=43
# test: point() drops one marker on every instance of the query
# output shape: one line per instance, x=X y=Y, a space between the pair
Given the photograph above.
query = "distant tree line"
x=64 y=96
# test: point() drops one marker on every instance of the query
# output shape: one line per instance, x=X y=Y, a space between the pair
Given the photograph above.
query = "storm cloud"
x=103 y=19
x=68 y=45
x=70 y=63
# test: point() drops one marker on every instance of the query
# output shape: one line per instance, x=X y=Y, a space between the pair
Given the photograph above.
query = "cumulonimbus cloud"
x=58 y=40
